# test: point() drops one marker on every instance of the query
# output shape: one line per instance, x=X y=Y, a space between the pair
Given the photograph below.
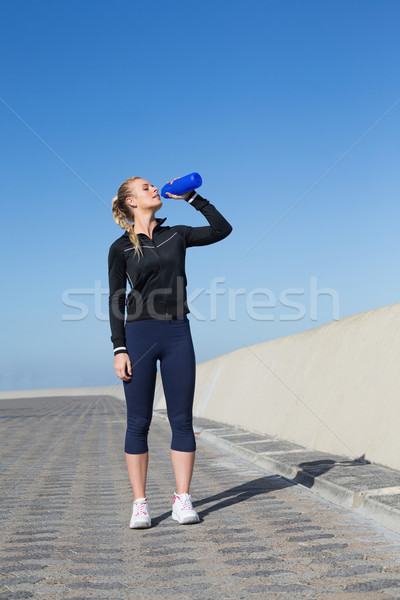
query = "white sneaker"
x=182 y=509
x=140 y=515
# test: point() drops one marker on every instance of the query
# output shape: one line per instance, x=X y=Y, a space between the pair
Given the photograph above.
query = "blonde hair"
x=121 y=213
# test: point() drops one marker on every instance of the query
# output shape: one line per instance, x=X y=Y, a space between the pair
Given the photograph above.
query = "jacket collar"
x=160 y=221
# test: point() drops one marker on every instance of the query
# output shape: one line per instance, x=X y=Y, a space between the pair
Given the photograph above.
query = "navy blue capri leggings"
x=170 y=342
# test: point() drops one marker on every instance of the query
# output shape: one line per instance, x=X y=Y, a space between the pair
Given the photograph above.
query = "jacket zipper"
x=163 y=277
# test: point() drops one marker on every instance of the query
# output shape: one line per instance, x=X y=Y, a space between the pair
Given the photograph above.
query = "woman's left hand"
x=178 y=197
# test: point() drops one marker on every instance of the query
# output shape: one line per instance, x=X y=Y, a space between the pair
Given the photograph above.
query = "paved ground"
x=66 y=504
x=351 y=482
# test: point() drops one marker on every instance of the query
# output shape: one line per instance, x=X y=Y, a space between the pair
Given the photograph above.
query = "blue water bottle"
x=182 y=185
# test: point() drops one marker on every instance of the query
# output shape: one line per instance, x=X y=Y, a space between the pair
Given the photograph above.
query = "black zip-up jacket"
x=157 y=279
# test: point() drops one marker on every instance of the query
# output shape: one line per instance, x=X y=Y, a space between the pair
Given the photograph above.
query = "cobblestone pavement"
x=66 y=504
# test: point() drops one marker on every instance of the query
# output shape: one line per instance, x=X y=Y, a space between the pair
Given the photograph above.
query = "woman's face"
x=144 y=195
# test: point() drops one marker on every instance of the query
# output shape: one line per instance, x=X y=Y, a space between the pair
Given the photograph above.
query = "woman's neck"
x=144 y=223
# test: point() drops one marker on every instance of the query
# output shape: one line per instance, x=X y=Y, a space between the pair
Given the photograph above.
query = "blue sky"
x=290 y=111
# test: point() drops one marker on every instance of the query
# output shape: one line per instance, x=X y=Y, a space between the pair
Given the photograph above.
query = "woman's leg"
x=178 y=371
x=137 y=471
x=183 y=463
x=142 y=342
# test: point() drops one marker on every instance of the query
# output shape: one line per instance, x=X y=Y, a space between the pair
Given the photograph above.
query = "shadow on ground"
x=265 y=485
x=234 y=495
x=312 y=469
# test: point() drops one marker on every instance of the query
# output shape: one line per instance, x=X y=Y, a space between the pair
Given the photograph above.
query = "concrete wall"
x=335 y=388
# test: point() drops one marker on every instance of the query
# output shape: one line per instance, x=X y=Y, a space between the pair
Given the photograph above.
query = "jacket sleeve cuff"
x=119 y=344
x=192 y=196
x=119 y=350
x=196 y=200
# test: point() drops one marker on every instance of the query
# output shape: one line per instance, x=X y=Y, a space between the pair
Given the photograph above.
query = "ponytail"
x=122 y=216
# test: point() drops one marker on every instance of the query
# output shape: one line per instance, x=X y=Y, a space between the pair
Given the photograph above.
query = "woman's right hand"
x=122 y=366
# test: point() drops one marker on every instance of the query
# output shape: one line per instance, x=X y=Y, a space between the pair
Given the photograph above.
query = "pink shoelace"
x=186 y=503
x=141 y=509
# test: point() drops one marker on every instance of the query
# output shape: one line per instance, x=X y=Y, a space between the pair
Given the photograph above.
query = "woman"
x=151 y=256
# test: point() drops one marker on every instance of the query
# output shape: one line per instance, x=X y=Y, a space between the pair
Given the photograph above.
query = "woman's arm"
x=218 y=227
x=116 y=305
x=116 y=299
